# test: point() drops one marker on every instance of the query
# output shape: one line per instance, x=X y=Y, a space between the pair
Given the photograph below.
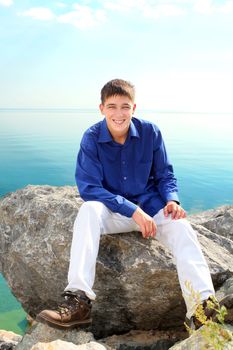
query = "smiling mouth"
x=118 y=122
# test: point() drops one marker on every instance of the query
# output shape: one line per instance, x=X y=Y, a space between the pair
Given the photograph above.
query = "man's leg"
x=181 y=239
x=93 y=219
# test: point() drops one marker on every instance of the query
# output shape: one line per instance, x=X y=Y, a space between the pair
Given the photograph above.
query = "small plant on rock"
x=215 y=334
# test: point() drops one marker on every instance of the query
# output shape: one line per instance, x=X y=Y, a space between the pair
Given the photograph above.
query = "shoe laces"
x=70 y=304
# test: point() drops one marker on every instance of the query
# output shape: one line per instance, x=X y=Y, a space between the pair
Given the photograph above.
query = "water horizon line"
x=79 y=109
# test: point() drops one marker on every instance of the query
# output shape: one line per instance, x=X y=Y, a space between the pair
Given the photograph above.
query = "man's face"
x=118 y=111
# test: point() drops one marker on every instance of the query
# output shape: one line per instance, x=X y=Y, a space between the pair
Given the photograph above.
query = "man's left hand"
x=176 y=211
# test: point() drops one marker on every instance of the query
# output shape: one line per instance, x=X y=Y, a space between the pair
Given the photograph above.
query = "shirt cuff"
x=173 y=196
x=127 y=209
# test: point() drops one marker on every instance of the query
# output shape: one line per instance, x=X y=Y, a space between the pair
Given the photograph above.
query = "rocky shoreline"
x=139 y=303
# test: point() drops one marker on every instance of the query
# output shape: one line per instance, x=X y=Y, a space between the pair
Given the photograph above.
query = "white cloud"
x=6 y=2
x=227 y=7
x=39 y=13
x=61 y=4
x=163 y=10
x=203 y=6
x=187 y=91
x=216 y=56
x=209 y=7
x=153 y=8
x=83 y=17
x=123 y=6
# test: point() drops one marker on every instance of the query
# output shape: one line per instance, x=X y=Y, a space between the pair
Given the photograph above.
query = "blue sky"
x=179 y=54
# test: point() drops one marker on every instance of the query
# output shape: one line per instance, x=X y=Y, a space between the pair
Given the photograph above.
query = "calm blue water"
x=40 y=147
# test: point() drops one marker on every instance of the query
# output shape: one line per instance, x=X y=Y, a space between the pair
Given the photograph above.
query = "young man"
x=127 y=182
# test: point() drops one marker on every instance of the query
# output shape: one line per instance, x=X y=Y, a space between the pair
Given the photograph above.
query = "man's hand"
x=176 y=211
x=145 y=222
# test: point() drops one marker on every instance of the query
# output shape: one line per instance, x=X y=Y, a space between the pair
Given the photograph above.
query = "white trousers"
x=94 y=219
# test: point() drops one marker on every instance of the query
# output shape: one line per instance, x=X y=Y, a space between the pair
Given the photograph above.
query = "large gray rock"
x=61 y=345
x=198 y=341
x=219 y=220
x=136 y=339
x=41 y=333
x=136 y=281
x=9 y=340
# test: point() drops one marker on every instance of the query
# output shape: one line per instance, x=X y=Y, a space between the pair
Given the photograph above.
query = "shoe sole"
x=66 y=325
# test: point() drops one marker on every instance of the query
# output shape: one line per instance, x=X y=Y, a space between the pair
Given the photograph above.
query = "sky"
x=177 y=53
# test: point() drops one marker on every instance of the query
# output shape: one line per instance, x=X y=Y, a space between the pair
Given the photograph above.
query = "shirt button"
x=125 y=178
x=123 y=162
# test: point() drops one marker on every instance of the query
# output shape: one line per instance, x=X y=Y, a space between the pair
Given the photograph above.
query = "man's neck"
x=120 y=139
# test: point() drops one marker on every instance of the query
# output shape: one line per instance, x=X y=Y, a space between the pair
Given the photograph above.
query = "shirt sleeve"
x=164 y=176
x=89 y=178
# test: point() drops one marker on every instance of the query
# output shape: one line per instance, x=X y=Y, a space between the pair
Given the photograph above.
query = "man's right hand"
x=145 y=222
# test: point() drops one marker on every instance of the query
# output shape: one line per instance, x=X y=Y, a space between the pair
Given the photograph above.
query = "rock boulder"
x=136 y=281
x=198 y=340
x=41 y=333
x=9 y=340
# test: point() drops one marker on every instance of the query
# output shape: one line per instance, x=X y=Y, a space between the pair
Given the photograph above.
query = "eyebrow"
x=114 y=104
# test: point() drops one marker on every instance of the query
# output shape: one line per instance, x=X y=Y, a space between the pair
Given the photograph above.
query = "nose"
x=118 y=113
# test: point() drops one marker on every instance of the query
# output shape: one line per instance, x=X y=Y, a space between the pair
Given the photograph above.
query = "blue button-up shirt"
x=137 y=173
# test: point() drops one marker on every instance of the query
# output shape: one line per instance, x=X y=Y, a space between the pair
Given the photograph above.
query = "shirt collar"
x=105 y=136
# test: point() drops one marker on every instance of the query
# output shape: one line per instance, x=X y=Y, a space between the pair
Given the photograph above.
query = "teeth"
x=118 y=121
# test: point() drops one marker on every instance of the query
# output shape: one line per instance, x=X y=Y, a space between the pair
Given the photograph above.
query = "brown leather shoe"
x=75 y=311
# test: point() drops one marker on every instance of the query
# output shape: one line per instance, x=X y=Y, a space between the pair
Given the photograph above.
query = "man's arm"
x=165 y=179
x=89 y=177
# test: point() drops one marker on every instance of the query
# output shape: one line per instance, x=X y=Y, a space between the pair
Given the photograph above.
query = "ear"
x=101 y=107
x=134 y=107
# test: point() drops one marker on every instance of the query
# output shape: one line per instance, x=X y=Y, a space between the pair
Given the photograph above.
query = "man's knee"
x=93 y=207
x=90 y=212
x=183 y=229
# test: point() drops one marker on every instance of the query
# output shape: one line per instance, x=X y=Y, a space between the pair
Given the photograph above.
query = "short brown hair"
x=117 y=87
